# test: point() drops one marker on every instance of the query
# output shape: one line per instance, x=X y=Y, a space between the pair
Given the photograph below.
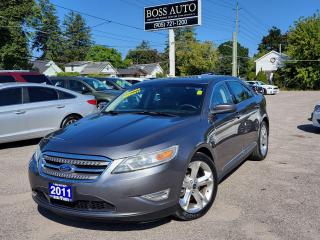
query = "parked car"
x=87 y=86
x=23 y=76
x=133 y=80
x=315 y=116
x=115 y=83
x=256 y=88
x=34 y=110
x=159 y=149
x=267 y=89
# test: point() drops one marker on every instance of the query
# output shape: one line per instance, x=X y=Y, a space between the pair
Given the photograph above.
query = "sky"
x=218 y=20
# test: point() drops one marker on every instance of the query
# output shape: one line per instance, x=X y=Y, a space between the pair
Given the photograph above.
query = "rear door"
x=12 y=115
x=43 y=109
x=224 y=129
x=247 y=108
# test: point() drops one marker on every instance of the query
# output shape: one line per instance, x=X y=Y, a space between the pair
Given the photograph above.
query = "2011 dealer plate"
x=60 y=192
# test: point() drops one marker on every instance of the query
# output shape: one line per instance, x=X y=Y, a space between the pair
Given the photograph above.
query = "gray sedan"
x=32 y=110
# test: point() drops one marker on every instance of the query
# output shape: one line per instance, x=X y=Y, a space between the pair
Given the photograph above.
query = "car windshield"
x=123 y=83
x=96 y=84
x=174 y=99
x=261 y=83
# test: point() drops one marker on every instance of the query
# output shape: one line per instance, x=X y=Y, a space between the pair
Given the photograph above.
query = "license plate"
x=60 y=192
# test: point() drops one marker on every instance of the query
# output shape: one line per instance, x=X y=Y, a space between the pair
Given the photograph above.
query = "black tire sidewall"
x=181 y=214
x=68 y=119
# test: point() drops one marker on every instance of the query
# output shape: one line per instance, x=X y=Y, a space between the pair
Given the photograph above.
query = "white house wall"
x=271 y=62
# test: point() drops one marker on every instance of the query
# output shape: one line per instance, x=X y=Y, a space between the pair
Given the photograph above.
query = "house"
x=152 y=69
x=269 y=63
x=91 y=68
x=46 y=67
x=132 y=72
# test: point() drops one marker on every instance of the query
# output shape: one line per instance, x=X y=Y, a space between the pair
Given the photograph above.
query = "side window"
x=240 y=92
x=65 y=95
x=6 y=79
x=109 y=85
x=59 y=83
x=220 y=96
x=77 y=86
x=41 y=94
x=11 y=96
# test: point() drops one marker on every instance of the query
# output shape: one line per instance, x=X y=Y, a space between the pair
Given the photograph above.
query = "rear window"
x=11 y=96
x=36 y=79
x=6 y=79
x=41 y=94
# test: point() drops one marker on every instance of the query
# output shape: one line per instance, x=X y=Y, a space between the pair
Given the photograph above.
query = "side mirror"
x=223 y=108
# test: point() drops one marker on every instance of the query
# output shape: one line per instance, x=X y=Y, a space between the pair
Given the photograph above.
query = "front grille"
x=71 y=166
x=83 y=205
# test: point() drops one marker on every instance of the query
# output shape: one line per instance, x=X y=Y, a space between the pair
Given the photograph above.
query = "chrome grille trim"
x=83 y=167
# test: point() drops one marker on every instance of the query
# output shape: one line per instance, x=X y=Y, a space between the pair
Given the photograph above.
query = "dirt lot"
x=278 y=198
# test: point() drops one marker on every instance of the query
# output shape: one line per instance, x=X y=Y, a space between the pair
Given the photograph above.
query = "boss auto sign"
x=173 y=15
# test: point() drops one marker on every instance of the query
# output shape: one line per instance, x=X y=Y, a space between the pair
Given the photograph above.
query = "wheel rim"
x=263 y=140
x=197 y=187
x=71 y=121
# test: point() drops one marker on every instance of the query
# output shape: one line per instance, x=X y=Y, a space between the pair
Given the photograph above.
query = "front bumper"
x=315 y=116
x=119 y=194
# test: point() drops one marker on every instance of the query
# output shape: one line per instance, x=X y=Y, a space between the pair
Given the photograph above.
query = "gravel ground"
x=278 y=198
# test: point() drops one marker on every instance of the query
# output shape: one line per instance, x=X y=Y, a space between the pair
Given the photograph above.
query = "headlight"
x=317 y=108
x=38 y=153
x=144 y=161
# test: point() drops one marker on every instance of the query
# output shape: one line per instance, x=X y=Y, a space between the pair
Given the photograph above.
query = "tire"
x=261 y=151
x=69 y=120
x=192 y=193
x=265 y=92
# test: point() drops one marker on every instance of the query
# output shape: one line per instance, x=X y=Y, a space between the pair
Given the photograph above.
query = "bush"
x=262 y=77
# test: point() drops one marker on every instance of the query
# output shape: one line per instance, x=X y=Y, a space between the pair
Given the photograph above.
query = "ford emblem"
x=66 y=168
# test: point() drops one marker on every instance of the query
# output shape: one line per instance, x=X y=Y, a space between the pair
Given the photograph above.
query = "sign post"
x=171 y=16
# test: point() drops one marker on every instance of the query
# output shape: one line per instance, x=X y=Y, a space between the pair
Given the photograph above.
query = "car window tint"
x=65 y=95
x=6 y=79
x=220 y=96
x=77 y=86
x=36 y=79
x=11 y=96
x=109 y=85
x=59 y=83
x=240 y=92
x=41 y=94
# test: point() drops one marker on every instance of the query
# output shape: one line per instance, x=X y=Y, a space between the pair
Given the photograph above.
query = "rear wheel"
x=199 y=188
x=261 y=150
x=70 y=120
x=102 y=104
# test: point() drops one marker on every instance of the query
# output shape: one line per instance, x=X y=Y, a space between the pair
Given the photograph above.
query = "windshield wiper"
x=156 y=113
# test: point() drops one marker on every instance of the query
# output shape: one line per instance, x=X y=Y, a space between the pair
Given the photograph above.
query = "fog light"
x=157 y=196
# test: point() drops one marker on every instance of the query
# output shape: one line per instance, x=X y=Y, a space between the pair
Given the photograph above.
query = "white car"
x=315 y=116
x=268 y=89
x=29 y=110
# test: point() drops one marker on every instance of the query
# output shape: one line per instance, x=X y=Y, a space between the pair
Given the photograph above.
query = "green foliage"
x=78 y=38
x=100 y=53
x=15 y=16
x=143 y=54
x=272 y=41
x=262 y=77
x=68 y=74
x=48 y=33
x=304 y=44
x=225 y=63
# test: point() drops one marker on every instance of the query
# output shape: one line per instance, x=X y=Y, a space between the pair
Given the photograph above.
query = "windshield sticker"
x=133 y=92
x=199 y=92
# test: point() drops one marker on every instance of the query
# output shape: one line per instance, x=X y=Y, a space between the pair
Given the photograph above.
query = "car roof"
x=71 y=78
x=201 y=79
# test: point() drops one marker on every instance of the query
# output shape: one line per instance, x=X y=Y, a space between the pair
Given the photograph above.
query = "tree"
x=303 y=71
x=262 y=77
x=16 y=16
x=272 y=41
x=78 y=38
x=48 y=34
x=143 y=54
x=100 y=53
x=225 y=64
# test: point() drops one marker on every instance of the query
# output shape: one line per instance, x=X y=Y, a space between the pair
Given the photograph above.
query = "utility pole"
x=280 y=48
x=235 y=45
x=172 y=53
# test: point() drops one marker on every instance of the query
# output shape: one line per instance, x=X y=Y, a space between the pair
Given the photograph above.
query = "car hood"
x=117 y=136
x=273 y=86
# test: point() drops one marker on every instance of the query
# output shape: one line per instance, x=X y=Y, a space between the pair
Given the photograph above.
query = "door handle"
x=19 y=112
x=257 y=106
x=238 y=115
x=60 y=106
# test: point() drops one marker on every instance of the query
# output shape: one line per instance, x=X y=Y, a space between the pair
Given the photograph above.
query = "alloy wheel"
x=263 y=140
x=197 y=187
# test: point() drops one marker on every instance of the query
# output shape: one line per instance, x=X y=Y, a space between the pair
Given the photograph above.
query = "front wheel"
x=70 y=120
x=261 y=150
x=199 y=188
